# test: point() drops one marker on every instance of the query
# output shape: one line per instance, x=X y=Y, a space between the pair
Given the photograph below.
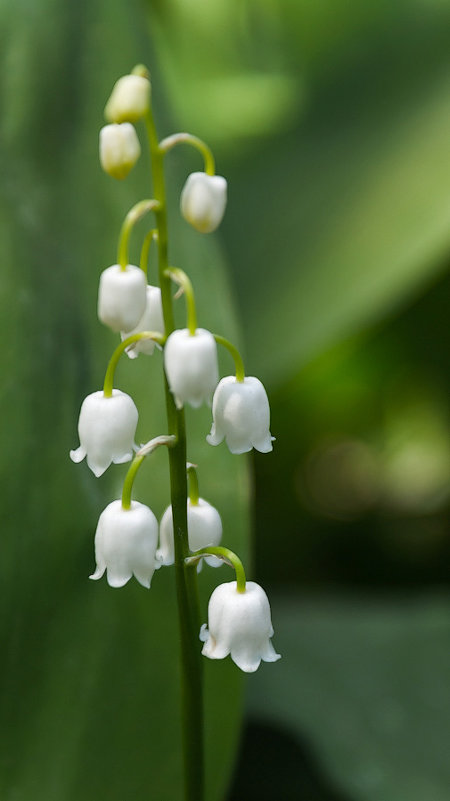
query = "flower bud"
x=191 y=366
x=204 y=528
x=241 y=416
x=122 y=297
x=125 y=544
x=203 y=201
x=239 y=624
x=129 y=99
x=106 y=428
x=119 y=149
x=151 y=320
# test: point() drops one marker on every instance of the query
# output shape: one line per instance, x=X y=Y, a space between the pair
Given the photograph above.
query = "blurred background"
x=331 y=122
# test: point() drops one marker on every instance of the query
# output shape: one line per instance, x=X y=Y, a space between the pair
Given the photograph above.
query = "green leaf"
x=89 y=677
x=333 y=124
x=367 y=682
x=379 y=231
x=337 y=222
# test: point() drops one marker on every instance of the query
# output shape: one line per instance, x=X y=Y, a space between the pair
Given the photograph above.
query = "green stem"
x=186 y=576
x=149 y=447
x=143 y=263
x=108 y=383
x=180 y=278
x=227 y=556
x=129 y=481
x=133 y=216
x=193 y=484
x=238 y=362
x=188 y=139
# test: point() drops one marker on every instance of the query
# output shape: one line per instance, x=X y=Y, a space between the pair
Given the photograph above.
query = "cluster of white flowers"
x=128 y=540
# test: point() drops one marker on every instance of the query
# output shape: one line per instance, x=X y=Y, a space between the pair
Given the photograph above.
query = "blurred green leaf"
x=89 y=680
x=333 y=225
x=332 y=125
x=366 y=681
x=362 y=225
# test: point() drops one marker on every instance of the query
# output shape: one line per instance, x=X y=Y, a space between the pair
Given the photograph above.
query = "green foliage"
x=331 y=123
x=367 y=680
x=89 y=677
x=333 y=128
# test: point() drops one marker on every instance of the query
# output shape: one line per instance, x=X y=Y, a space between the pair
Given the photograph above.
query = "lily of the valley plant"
x=128 y=541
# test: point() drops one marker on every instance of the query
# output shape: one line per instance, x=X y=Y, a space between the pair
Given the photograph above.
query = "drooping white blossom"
x=125 y=544
x=191 y=366
x=106 y=428
x=203 y=201
x=151 y=320
x=239 y=624
x=122 y=297
x=119 y=149
x=204 y=528
x=129 y=99
x=241 y=415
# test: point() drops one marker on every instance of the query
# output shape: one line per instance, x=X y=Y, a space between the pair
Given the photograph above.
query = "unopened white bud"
x=241 y=415
x=125 y=544
x=203 y=201
x=106 y=428
x=129 y=99
x=122 y=297
x=204 y=528
x=191 y=366
x=119 y=149
x=151 y=320
x=239 y=624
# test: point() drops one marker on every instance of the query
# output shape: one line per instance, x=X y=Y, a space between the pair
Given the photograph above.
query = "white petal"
x=269 y=654
x=213 y=561
x=246 y=660
x=97 y=469
x=203 y=201
x=166 y=550
x=125 y=541
x=129 y=99
x=151 y=320
x=116 y=579
x=236 y=445
x=204 y=633
x=122 y=297
x=98 y=573
x=241 y=414
x=215 y=437
x=264 y=445
x=78 y=455
x=119 y=149
x=126 y=457
x=107 y=428
x=143 y=578
x=240 y=624
x=191 y=366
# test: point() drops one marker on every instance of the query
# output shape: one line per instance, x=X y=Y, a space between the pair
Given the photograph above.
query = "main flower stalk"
x=186 y=575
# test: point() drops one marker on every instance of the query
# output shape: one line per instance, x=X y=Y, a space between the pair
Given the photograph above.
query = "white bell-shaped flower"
x=241 y=415
x=239 y=624
x=203 y=201
x=122 y=297
x=129 y=99
x=106 y=428
x=125 y=544
x=204 y=528
x=119 y=149
x=151 y=320
x=191 y=366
